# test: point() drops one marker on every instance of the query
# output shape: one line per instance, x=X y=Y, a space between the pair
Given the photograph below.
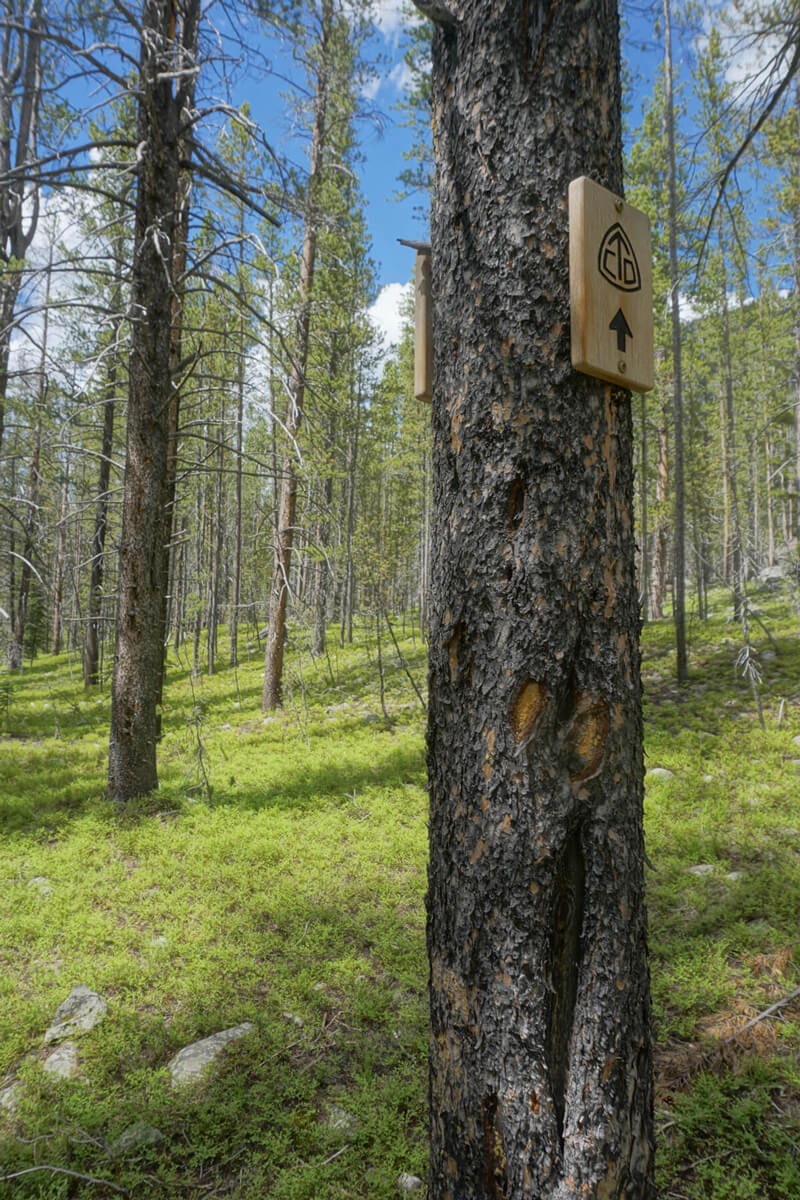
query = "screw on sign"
x=611 y=310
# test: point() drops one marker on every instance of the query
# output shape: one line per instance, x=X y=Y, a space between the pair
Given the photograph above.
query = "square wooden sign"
x=610 y=286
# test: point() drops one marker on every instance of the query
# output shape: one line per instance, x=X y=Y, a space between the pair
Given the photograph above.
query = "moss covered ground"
x=278 y=877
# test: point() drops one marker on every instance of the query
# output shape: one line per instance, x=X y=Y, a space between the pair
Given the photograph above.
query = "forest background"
x=294 y=424
x=359 y=452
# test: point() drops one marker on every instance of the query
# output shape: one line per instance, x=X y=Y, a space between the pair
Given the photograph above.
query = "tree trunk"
x=679 y=532
x=58 y=575
x=644 y=557
x=233 y=624
x=91 y=652
x=20 y=96
x=730 y=440
x=541 y=1074
x=279 y=591
x=139 y=649
x=658 y=580
x=17 y=644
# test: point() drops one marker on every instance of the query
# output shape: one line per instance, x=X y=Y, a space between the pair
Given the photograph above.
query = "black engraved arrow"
x=621 y=328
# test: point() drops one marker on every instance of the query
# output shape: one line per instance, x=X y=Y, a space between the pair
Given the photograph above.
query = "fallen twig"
x=331 y=1157
x=762 y=1016
x=63 y=1171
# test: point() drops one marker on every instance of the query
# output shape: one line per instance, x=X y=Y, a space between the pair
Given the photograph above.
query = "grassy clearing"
x=292 y=897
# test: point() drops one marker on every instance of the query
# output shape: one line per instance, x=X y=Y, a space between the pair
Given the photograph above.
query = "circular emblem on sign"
x=616 y=261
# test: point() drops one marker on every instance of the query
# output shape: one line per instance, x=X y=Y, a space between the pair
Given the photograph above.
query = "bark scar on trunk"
x=565 y=949
x=587 y=737
x=496 y=1178
x=526 y=709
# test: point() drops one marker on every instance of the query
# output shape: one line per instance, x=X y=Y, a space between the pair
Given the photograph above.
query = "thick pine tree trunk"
x=541 y=1076
x=138 y=653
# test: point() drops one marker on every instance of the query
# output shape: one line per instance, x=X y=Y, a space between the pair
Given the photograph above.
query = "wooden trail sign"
x=610 y=286
x=423 y=320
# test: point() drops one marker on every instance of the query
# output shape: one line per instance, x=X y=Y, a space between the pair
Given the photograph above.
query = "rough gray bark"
x=541 y=1074
x=138 y=653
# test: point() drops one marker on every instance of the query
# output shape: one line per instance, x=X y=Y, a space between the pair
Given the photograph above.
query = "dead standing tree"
x=541 y=1073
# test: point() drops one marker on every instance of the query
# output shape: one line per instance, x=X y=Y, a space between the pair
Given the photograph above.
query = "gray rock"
x=409 y=1183
x=41 y=884
x=708 y=779
x=62 y=1063
x=189 y=1063
x=701 y=869
x=340 y=1120
x=135 y=1137
x=794 y=762
x=796 y=739
x=659 y=773
x=734 y=876
x=80 y=1012
x=767 y=656
x=296 y=1021
x=10 y=1096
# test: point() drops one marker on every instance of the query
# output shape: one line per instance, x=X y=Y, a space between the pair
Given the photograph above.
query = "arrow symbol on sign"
x=621 y=328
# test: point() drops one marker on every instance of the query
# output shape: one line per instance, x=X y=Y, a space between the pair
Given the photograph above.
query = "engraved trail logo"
x=616 y=261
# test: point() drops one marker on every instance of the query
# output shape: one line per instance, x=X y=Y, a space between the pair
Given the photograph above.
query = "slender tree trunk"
x=541 y=1073
x=726 y=504
x=279 y=592
x=237 y=549
x=16 y=647
x=658 y=580
x=679 y=532
x=644 y=573
x=20 y=96
x=770 y=513
x=91 y=651
x=58 y=575
x=139 y=649
x=15 y=652
x=730 y=442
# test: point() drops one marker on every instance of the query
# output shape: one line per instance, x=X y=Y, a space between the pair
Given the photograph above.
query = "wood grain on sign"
x=611 y=287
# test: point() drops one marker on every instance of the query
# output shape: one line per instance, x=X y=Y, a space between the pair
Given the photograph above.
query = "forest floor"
x=278 y=877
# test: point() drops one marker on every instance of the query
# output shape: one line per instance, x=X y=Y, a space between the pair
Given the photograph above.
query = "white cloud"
x=400 y=76
x=389 y=17
x=752 y=57
x=398 y=79
x=387 y=313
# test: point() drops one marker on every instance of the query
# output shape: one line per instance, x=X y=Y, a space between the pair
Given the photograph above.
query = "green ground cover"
x=278 y=877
